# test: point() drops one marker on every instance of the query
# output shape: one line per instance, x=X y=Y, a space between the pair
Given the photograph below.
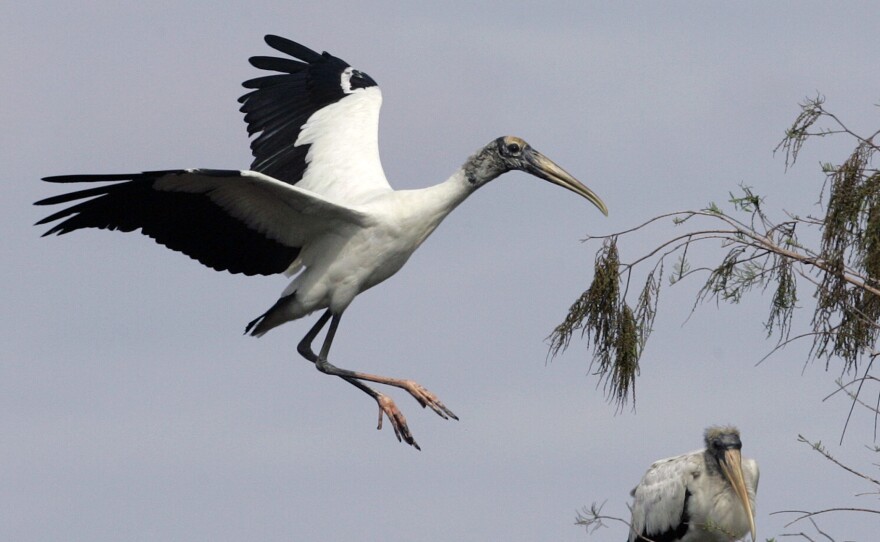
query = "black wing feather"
x=182 y=221
x=292 y=48
x=285 y=65
x=279 y=105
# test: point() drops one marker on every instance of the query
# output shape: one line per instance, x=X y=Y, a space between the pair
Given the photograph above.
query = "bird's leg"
x=419 y=393
x=387 y=406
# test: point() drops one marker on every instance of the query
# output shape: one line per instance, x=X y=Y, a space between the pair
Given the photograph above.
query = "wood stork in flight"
x=314 y=205
x=703 y=496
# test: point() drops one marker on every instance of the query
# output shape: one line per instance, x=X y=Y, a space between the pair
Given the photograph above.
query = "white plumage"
x=314 y=204
x=707 y=495
x=343 y=141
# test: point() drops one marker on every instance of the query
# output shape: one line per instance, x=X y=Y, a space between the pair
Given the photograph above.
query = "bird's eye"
x=513 y=148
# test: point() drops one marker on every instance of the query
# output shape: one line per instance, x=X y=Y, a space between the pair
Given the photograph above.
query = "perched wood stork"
x=315 y=203
x=706 y=495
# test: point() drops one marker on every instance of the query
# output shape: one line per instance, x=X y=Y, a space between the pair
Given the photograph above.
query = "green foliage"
x=846 y=317
x=784 y=298
x=749 y=202
x=760 y=255
x=811 y=111
x=609 y=324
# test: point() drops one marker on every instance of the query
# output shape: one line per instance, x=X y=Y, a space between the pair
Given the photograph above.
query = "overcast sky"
x=133 y=408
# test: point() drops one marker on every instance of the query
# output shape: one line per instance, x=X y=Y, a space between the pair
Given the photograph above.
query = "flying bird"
x=315 y=203
x=703 y=496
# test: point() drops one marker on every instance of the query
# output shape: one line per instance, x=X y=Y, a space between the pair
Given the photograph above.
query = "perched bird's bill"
x=543 y=167
x=731 y=466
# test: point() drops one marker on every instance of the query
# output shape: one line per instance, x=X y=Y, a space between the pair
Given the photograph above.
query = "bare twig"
x=821 y=449
x=805 y=536
x=805 y=514
x=592 y=519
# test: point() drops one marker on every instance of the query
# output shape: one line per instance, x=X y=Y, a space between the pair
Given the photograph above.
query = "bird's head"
x=724 y=445
x=509 y=153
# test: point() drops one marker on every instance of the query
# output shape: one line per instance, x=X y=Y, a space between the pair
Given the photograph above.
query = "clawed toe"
x=387 y=407
x=428 y=399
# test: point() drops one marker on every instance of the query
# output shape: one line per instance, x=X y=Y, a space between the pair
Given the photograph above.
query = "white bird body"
x=687 y=498
x=315 y=203
x=336 y=266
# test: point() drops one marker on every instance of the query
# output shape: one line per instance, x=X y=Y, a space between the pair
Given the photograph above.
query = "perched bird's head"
x=509 y=153
x=724 y=446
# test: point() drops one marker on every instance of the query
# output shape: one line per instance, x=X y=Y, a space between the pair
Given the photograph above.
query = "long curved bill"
x=543 y=167
x=731 y=466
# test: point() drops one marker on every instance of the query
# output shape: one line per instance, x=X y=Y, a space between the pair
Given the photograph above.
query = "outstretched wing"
x=236 y=221
x=659 y=509
x=318 y=123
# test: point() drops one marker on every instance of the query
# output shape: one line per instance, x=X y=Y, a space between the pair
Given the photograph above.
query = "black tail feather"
x=264 y=322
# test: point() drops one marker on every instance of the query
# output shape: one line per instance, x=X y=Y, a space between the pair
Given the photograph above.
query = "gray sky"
x=132 y=408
